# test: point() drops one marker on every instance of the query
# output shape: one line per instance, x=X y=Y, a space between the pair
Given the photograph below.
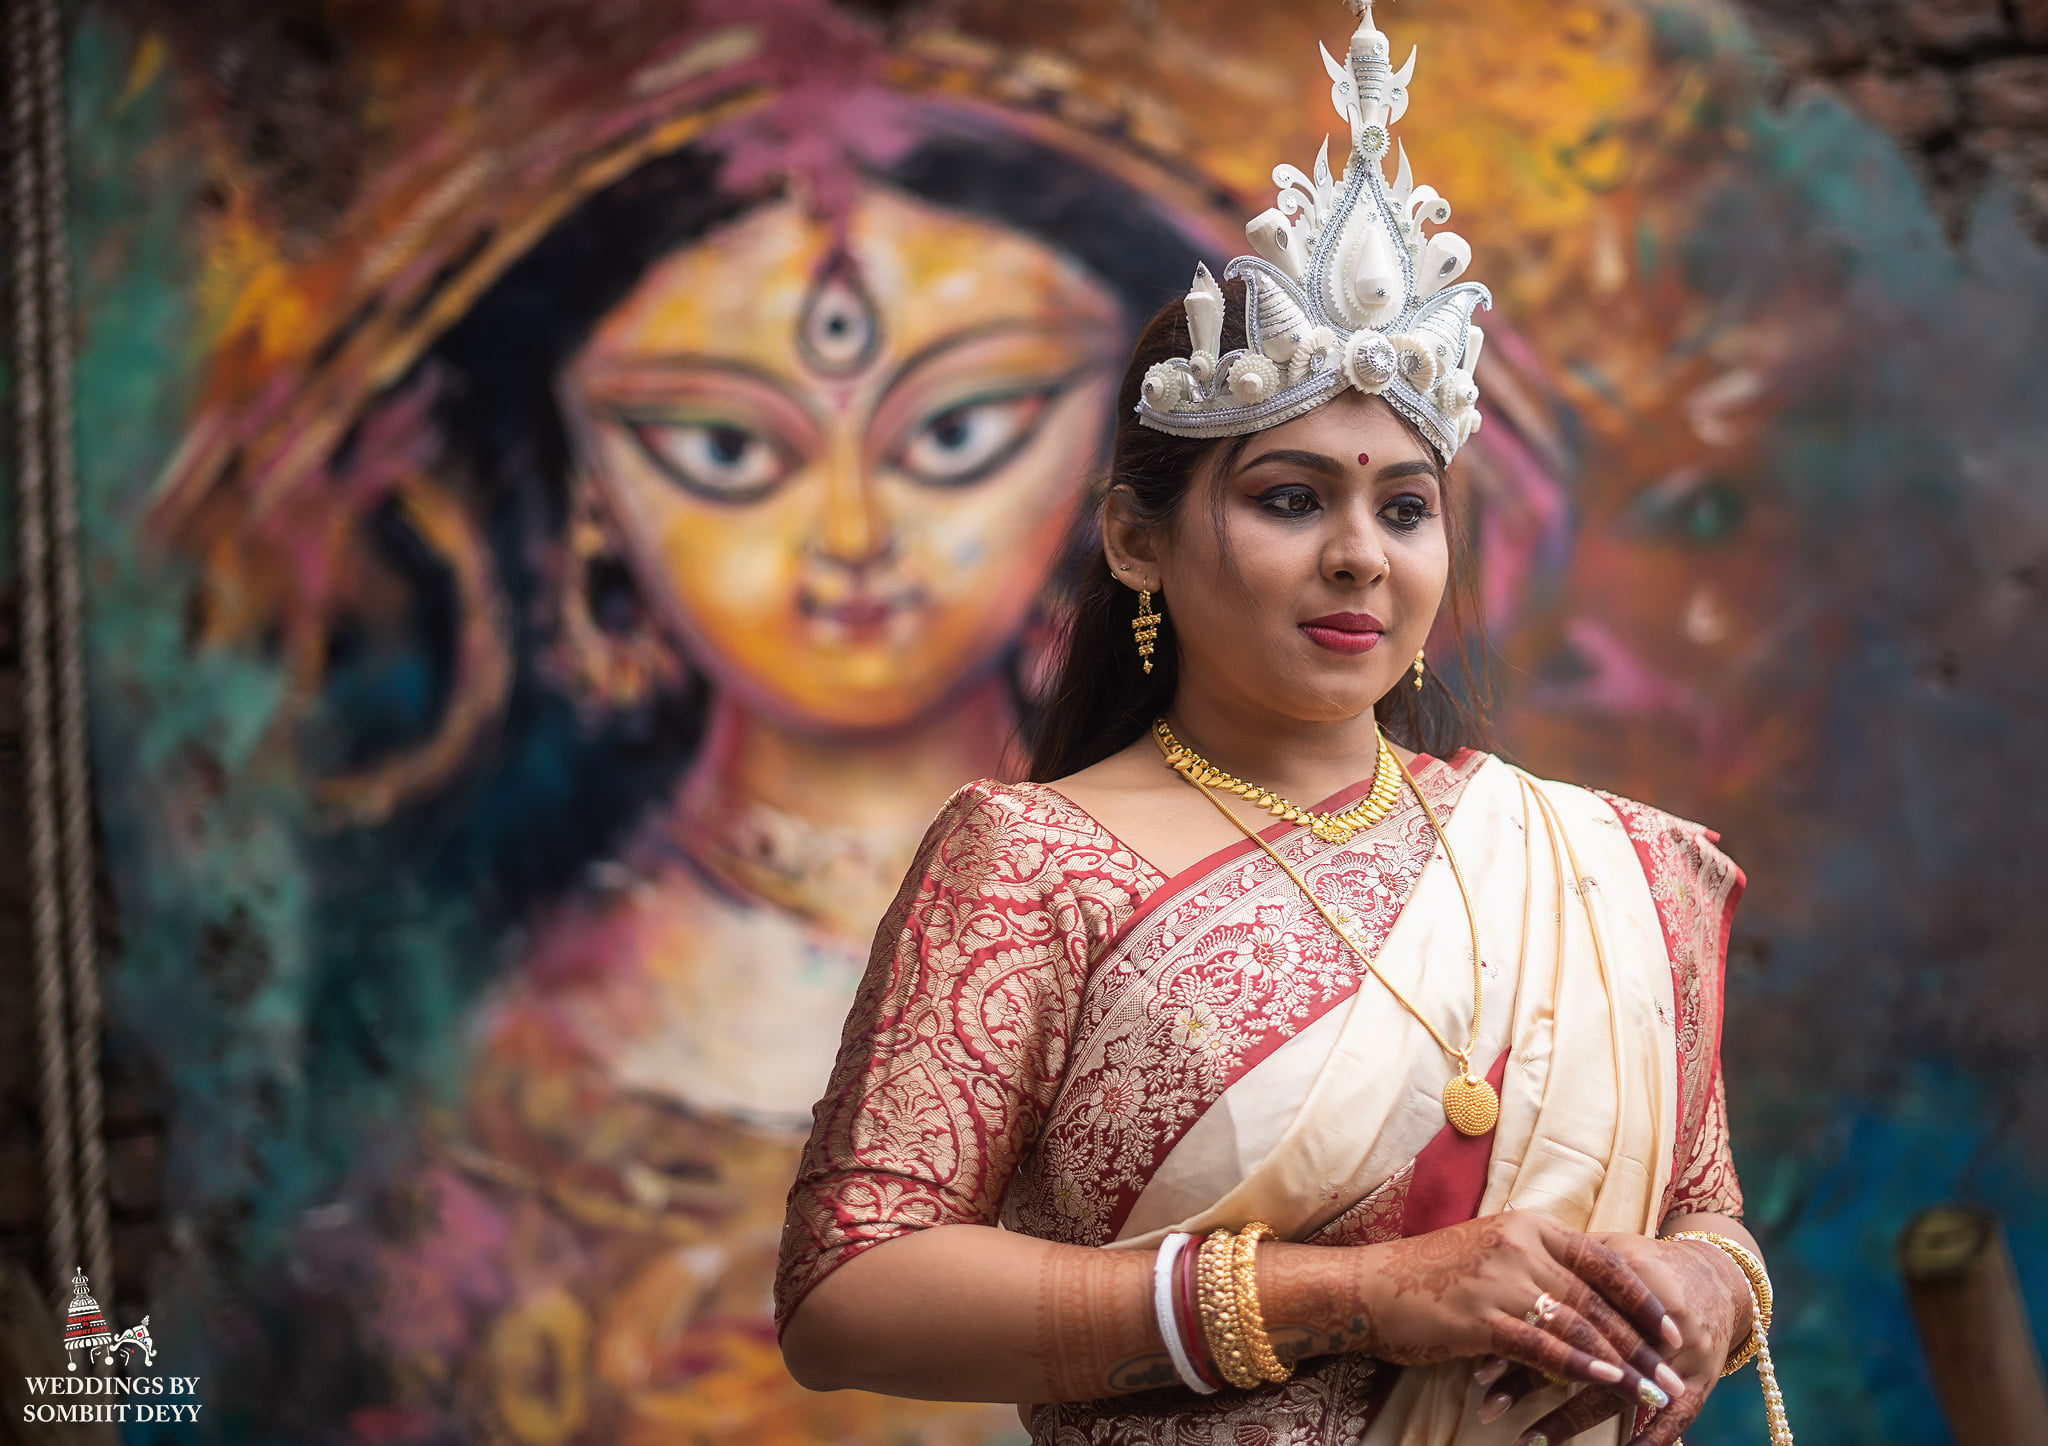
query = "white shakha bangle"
x=1169 y=1323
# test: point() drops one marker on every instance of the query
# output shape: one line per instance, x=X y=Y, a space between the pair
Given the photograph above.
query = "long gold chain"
x=1470 y=1103
x=1329 y=827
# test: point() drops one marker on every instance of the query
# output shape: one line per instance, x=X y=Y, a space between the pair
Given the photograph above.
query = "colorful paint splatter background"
x=1766 y=546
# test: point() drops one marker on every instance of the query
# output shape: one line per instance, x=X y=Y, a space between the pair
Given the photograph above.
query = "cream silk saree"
x=1053 y=1035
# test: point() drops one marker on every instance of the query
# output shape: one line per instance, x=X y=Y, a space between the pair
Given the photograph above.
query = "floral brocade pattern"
x=1375 y=1219
x=1706 y=1181
x=957 y=1040
x=1220 y=972
x=1330 y=1401
x=1044 y=1017
x=1695 y=888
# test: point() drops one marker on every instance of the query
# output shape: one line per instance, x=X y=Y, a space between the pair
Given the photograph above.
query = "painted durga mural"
x=647 y=489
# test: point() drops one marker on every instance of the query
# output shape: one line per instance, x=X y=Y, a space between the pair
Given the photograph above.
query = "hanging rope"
x=57 y=784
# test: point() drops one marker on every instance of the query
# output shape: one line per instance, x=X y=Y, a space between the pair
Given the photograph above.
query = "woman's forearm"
x=1711 y=1224
x=971 y=1313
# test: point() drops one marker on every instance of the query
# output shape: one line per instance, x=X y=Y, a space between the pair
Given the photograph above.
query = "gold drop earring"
x=1418 y=671
x=1145 y=628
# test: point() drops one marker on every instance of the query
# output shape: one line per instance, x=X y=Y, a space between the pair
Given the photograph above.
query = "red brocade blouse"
x=952 y=1075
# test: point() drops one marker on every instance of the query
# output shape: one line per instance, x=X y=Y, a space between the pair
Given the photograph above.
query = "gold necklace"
x=1470 y=1103
x=1333 y=828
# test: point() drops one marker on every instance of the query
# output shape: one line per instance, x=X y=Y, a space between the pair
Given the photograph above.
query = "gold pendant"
x=1470 y=1104
x=1330 y=831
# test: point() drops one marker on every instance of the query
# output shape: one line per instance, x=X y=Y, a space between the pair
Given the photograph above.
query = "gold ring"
x=1541 y=1312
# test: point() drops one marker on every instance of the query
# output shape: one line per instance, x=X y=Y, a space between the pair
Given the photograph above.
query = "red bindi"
x=1363 y=459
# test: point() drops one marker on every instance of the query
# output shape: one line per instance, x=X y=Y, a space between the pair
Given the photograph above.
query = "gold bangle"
x=1251 y=1321
x=1221 y=1328
x=1759 y=1295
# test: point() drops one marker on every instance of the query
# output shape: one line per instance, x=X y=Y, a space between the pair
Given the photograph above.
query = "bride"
x=1276 y=1066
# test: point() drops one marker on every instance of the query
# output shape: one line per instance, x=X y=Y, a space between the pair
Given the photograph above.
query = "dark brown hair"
x=1101 y=700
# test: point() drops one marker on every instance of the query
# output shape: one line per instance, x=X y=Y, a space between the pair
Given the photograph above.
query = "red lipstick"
x=1344 y=632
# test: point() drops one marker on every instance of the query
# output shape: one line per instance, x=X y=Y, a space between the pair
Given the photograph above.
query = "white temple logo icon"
x=86 y=1329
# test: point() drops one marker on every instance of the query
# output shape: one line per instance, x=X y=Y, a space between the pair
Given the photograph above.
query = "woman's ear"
x=1133 y=551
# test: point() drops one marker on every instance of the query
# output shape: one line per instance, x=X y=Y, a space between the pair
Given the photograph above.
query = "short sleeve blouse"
x=958 y=1038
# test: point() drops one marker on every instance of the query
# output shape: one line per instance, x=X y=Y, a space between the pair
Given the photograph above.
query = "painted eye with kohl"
x=842 y=459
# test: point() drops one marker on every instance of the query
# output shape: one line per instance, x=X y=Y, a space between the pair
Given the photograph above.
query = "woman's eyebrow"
x=1415 y=468
x=1300 y=457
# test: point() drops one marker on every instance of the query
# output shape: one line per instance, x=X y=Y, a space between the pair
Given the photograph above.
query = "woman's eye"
x=1290 y=501
x=718 y=460
x=1406 y=513
x=966 y=443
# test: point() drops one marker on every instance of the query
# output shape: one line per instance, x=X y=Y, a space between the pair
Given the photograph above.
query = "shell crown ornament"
x=1345 y=289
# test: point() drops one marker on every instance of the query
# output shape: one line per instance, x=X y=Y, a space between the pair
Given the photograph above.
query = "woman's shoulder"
x=1027 y=830
x=1680 y=858
x=1003 y=806
x=1668 y=844
x=1460 y=763
x=1650 y=827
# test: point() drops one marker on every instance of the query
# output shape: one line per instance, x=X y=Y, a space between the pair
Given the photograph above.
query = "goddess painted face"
x=842 y=459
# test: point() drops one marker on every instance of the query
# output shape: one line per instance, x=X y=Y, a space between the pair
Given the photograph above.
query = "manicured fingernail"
x=1670 y=1380
x=1492 y=1371
x=1605 y=1372
x=1649 y=1395
x=1670 y=1332
x=1534 y=1438
x=1494 y=1407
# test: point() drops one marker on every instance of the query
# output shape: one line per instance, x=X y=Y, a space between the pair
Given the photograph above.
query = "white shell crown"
x=1345 y=291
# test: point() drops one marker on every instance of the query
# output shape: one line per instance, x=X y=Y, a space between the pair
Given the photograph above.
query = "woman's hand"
x=1469 y=1290
x=1709 y=1299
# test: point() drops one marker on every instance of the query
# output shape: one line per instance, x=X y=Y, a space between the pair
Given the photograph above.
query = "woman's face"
x=843 y=460
x=1302 y=578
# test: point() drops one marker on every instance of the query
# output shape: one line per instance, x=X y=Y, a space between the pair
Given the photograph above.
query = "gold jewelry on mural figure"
x=1333 y=828
x=602 y=668
x=1145 y=628
x=1418 y=670
x=535 y=1355
x=1471 y=1103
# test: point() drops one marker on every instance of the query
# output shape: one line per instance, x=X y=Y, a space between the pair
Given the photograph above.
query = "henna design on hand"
x=1578 y=1333
x=1097 y=1335
x=1581 y=1413
x=1639 y=1354
x=1431 y=1264
x=1614 y=1278
x=1315 y=1301
x=1716 y=1293
x=1520 y=1341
